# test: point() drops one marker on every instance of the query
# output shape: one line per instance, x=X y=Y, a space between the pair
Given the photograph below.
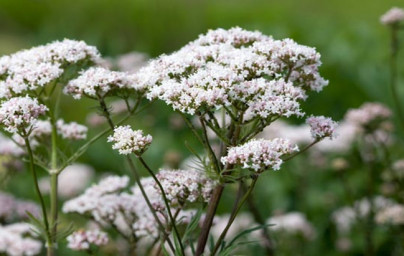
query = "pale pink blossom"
x=20 y=114
x=392 y=16
x=81 y=240
x=259 y=155
x=128 y=141
x=321 y=127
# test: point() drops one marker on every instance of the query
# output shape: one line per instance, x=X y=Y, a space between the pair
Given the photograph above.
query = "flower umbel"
x=321 y=127
x=260 y=155
x=263 y=76
x=392 y=16
x=19 y=114
x=82 y=239
x=128 y=141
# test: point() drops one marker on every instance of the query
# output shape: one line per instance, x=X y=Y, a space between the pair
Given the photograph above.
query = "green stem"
x=170 y=215
x=38 y=191
x=146 y=198
x=302 y=151
x=136 y=175
x=234 y=215
x=54 y=188
x=206 y=143
x=268 y=243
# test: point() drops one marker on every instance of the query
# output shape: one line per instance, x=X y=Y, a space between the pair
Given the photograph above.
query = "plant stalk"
x=234 y=215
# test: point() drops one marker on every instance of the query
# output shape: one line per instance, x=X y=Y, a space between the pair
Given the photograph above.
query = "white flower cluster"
x=82 y=240
x=41 y=128
x=16 y=209
x=72 y=130
x=16 y=240
x=185 y=185
x=129 y=212
x=260 y=154
x=72 y=181
x=391 y=215
x=20 y=113
x=368 y=114
x=98 y=82
x=128 y=141
x=36 y=67
x=392 y=16
x=99 y=200
x=346 y=216
x=293 y=223
x=263 y=76
x=321 y=127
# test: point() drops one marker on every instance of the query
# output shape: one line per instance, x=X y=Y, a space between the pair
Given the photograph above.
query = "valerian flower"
x=128 y=141
x=259 y=155
x=19 y=114
x=321 y=127
x=392 y=16
x=263 y=76
x=82 y=240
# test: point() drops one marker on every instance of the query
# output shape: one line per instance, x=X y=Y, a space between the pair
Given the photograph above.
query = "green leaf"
x=40 y=228
x=193 y=224
x=247 y=231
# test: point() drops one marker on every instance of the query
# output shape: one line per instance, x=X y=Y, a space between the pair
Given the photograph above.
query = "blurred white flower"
x=292 y=223
x=392 y=16
x=72 y=181
x=81 y=240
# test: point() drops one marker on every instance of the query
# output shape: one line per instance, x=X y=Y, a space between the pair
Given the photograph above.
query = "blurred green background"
x=353 y=44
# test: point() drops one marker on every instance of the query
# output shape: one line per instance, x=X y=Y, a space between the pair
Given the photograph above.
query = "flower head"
x=20 y=113
x=128 y=141
x=259 y=155
x=266 y=77
x=392 y=16
x=185 y=185
x=321 y=127
x=36 y=67
x=16 y=239
x=98 y=82
x=83 y=239
x=369 y=116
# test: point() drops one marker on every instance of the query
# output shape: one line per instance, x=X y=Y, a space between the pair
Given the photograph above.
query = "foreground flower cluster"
x=246 y=78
